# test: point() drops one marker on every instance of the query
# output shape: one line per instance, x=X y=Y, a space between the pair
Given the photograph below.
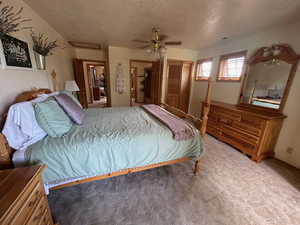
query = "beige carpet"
x=230 y=190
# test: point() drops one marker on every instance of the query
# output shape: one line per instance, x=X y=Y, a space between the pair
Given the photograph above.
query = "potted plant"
x=10 y=20
x=42 y=48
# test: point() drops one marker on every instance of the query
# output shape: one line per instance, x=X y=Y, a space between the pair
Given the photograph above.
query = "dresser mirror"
x=270 y=72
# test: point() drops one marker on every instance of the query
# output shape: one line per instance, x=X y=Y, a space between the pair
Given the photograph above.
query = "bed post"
x=206 y=108
x=205 y=112
x=5 y=153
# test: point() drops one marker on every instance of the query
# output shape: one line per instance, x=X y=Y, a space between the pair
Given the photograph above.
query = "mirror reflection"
x=266 y=83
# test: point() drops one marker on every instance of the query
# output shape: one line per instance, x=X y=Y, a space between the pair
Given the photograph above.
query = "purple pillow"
x=70 y=107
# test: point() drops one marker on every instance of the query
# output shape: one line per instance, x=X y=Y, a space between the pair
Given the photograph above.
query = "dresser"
x=22 y=197
x=252 y=131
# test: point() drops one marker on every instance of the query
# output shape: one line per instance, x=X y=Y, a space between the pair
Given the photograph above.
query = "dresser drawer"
x=212 y=117
x=212 y=130
x=235 y=139
x=251 y=139
x=227 y=113
x=247 y=128
x=29 y=205
x=25 y=205
x=253 y=121
x=39 y=213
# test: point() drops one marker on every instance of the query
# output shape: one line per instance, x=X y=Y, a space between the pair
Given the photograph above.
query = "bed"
x=110 y=142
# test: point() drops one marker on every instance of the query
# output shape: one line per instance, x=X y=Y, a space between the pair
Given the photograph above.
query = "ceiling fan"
x=158 y=42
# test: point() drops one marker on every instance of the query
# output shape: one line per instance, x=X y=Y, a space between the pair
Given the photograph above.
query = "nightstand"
x=22 y=197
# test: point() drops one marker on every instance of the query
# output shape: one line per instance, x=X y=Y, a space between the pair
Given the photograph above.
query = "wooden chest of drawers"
x=22 y=197
x=252 y=131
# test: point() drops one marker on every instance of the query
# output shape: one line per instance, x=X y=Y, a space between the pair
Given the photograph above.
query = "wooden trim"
x=221 y=65
x=107 y=66
x=92 y=60
x=107 y=76
x=288 y=85
x=200 y=61
x=179 y=61
x=85 y=45
x=121 y=172
x=288 y=55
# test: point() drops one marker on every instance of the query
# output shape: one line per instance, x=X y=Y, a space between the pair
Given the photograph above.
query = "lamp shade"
x=71 y=85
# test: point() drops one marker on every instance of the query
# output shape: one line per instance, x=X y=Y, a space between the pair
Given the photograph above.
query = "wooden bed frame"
x=6 y=152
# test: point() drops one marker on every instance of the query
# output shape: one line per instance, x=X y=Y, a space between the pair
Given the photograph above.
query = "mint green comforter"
x=110 y=139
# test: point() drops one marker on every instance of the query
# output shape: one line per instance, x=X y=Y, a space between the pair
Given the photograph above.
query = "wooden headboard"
x=5 y=151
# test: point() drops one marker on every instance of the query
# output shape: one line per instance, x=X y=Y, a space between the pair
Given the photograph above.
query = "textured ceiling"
x=197 y=23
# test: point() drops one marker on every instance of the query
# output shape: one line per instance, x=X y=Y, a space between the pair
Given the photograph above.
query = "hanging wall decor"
x=14 y=53
x=120 y=79
x=42 y=48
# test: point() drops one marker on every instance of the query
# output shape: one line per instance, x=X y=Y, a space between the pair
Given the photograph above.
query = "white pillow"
x=21 y=128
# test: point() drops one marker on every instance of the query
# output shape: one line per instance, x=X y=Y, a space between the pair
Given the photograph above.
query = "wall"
x=122 y=55
x=14 y=82
x=91 y=54
x=229 y=92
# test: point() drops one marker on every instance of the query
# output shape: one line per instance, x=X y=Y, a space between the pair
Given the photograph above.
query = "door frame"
x=107 y=76
x=130 y=65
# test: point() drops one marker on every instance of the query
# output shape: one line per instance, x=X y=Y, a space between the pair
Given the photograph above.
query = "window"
x=203 y=69
x=231 y=66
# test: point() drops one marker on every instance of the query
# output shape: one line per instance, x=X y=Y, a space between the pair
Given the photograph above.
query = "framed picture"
x=14 y=53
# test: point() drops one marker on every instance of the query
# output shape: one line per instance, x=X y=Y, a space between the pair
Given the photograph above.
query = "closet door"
x=185 y=87
x=174 y=84
x=156 y=82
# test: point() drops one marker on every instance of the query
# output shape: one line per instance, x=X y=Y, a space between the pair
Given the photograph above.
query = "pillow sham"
x=21 y=128
x=52 y=118
x=70 y=107
x=72 y=97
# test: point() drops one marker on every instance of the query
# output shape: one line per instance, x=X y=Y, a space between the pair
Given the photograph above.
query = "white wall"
x=91 y=54
x=229 y=92
x=122 y=55
x=14 y=82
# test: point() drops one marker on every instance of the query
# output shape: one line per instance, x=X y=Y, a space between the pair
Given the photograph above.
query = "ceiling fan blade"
x=162 y=37
x=141 y=41
x=173 y=43
x=144 y=47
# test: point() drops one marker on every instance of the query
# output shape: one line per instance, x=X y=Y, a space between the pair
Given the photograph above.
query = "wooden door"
x=174 y=84
x=156 y=82
x=185 y=86
x=79 y=78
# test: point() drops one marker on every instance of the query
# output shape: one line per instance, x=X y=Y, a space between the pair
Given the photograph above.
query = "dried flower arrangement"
x=10 y=20
x=41 y=45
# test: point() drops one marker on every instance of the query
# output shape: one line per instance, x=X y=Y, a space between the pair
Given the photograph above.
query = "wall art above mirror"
x=270 y=73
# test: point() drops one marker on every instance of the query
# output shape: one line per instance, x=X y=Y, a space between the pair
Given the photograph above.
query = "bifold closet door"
x=185 y=87
x=174 y=84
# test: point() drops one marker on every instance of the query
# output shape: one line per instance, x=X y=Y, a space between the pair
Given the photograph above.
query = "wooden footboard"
x=199 y=123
